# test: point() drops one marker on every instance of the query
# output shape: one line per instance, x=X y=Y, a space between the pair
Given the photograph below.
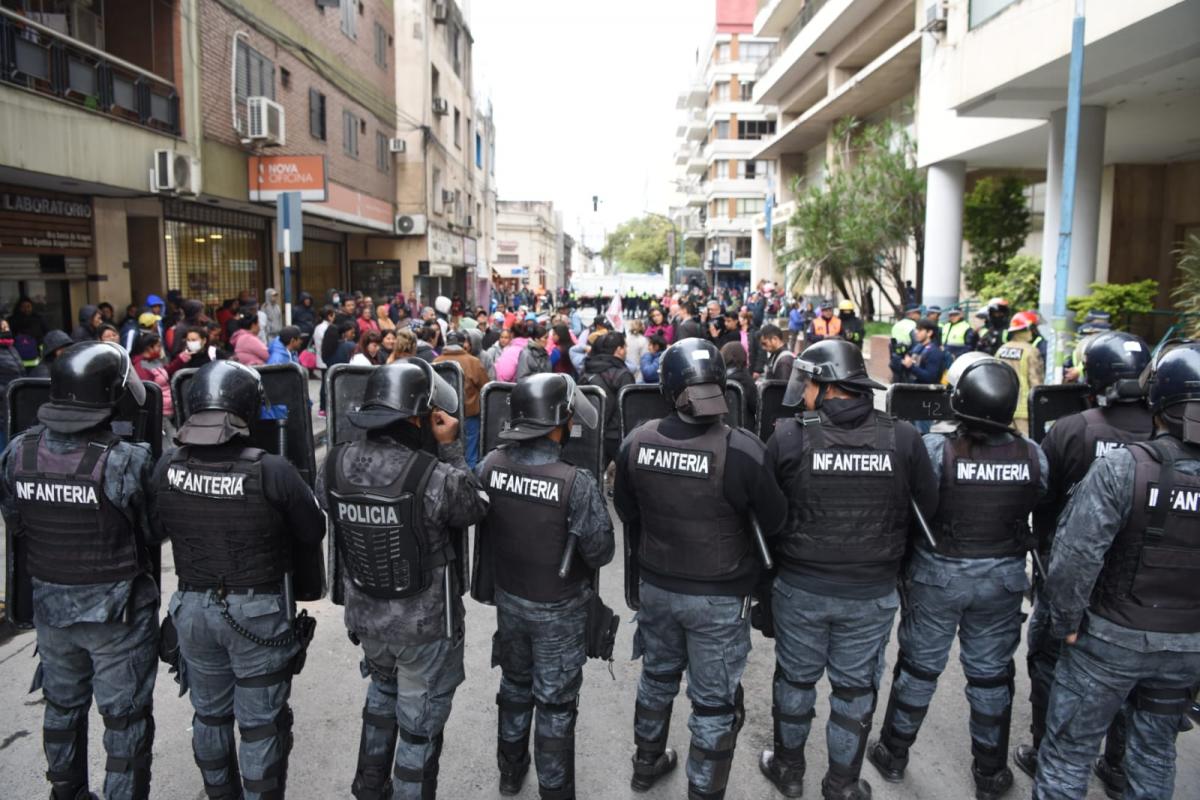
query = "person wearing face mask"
x=149 y=365
x=196 y=350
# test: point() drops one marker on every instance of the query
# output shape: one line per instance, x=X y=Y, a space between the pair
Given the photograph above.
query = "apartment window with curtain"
x=721 y=129
x=755 y=128
x=749 y=206
x=255 y=78
x=381 y=46
x=350 y=134
x=722 y=91
x=350 y=18
x=751 y=170
x=753 y=51
x=382 y=156
x=723 y=53
x=746 y=90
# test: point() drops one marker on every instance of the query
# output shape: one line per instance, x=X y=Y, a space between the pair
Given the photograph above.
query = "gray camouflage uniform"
x=539 y=647
x=414 y=669
x=96 y=639
x=1094 y=676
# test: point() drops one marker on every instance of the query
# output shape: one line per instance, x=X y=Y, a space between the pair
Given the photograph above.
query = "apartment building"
x=993 y=96
x=89 y=94
x=724 y=124
x=833 y=59
x=531 y=247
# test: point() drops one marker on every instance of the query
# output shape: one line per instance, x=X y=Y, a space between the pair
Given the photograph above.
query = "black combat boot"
x=891 y=763
x=835 y=789
x=1026 y=758
x=786 y=774
x=649 y=767
x=513 y=760
x=1112 y=776
x=991 y=786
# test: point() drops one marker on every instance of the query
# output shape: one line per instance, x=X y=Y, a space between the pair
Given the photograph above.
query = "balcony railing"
x=42 y=60
x=807 y=12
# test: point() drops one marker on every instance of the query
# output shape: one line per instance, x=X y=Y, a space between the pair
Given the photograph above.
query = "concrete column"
x=1089 y=179
x=944 y=232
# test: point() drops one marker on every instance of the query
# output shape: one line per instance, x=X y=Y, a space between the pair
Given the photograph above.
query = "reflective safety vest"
x=902 y=335
x=954 y=334
x=827 y=328
x=1016 y=355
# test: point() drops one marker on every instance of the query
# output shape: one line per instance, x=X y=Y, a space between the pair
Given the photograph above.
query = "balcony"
x=696 y=165
x=39 y=59
x=783 y=18
x=695 y=96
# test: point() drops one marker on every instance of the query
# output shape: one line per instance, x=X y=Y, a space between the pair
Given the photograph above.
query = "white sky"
x=584 y=96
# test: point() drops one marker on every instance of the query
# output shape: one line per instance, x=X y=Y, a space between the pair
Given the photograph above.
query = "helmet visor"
x=581 y=407
x=442 y=394
x=802 y=374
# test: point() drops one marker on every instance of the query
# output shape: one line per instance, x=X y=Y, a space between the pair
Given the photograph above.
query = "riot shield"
x=770 y=407
x=919 y=401
x=642 y=402
x=1053 y=402
x=130 y=421
x=284 y=429
x=345 y=386
x=584 y=449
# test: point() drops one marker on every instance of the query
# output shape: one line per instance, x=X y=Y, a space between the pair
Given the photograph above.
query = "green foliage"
x=855 y=230
x=1118 y=299
x=1187 y=294
x=1018 y=282
x=640 y=245
x=995 y=224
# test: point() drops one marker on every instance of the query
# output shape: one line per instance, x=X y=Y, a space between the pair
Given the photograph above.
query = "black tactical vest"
x=223 y=530
x=848 y=503
x=1100 y=435
x=1151 y=575
x=74 y=533
x=381 y=535
x=986 y=495
x=527 y=523
x=688 y=528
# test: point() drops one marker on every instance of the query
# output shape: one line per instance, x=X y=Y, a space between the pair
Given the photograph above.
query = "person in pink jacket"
x=506 y=364
x=149 y=365
x=248 y=349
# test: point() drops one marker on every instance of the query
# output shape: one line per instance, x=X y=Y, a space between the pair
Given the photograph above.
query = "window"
x=753 y=51
x=746 y=91
x=720 y=169
x=982 y=10
x=754 y=169
x=453 y=43
x=749 y=206
x=316 y=114
x=350 y=18
x=382 y=156
x=756 y=128
x=350 y=134
x=457 y=125
x=741 y=247
x=381 y=46
x=478 y=150
x=285 y=78
x=508 y=258
x=255 y=78
x=723 y=52
x=721 y=129
x=722 y=91
x=435 y=83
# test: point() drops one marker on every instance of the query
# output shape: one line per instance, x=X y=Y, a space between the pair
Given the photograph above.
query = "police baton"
x=764 y=552
x=1037 y=563
x=449 y=591
x=921 y=521
x=564 y=566
x=289 y=593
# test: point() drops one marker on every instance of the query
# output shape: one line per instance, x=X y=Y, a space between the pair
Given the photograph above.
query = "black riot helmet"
x=1113 y=363
x=691 y=375
x=226 y=386
x=985 y=393
x=87 y=380
x=829 y=361
x=1175 y=382
x=408 y=387
x=542 y=402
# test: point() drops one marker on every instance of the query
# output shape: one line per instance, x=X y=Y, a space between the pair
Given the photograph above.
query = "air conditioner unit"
x=440 y=12
x=441 y=106
x=411 y=224
x=265 y=121
x=397 y=146
x=935 y=16
x=175 y=173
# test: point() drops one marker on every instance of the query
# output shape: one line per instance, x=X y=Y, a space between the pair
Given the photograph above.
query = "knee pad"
x=992 y=758
x=75 y=773
x=859 y=727
x=372 y=777
x=657 y=745
x=140 y=759
x=721 y=757
x=274 y=779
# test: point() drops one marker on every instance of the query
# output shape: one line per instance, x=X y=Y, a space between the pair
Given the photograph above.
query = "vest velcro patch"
x=537 y=488
x=216 y=485
x=1105 y=446
x=1010 y=353
x=58 y=492
x=370 y=514
x=997 y=473
x=852 y=462
x=1183 y=500
x=674 y=461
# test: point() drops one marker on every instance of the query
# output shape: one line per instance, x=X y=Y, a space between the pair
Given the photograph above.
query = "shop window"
x=213 y=254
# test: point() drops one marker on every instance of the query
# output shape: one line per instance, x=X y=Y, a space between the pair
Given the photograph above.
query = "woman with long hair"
x=406 y=345
x=658 y=326
x=368 y=349
x=560 y=353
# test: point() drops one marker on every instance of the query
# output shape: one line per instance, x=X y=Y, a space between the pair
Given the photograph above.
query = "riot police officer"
x=685 y=487
x=78 y=497
x=392 y=504
x=1124 y=597
x=969 y=577
x=850 y=474
x=1113 y=363
x=233 y=514
x=539 y=506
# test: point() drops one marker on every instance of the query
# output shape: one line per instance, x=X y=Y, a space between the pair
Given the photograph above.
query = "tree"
x=1018 y=283
x=1118 y=299
x=855 y=231
x=1187 y=294
x=995 y=224
x=639 y=244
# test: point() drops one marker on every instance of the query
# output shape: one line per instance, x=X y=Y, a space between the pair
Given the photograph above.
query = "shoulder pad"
x=745 y=442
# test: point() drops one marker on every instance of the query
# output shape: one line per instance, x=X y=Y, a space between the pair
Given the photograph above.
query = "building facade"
x=531 y=250
x=726 y=184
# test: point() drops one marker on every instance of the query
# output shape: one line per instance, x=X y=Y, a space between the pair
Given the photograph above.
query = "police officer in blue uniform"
x=233 y=514
x=972 y=582
x=1113 y=363
x=539 y=504
x=850 y=474
x=392 y=503
x=685 y=487
x=79 y=496
x=1124 y=597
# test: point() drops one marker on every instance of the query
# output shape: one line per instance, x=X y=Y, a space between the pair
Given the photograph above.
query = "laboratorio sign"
x=26 y=204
